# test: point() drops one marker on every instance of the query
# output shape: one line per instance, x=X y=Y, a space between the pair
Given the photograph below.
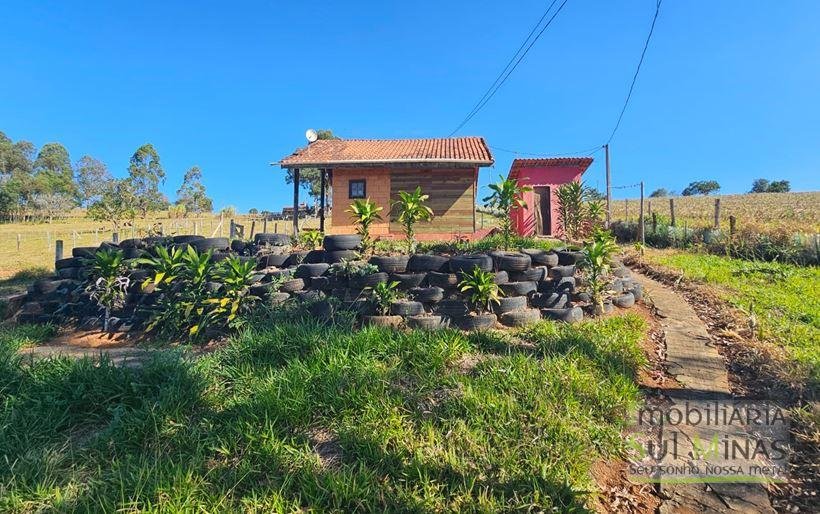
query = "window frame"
x=350 y=184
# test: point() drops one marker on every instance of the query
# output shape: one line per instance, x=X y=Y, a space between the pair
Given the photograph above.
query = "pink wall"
x=543 y=172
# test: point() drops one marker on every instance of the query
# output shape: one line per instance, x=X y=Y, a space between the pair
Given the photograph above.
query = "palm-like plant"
x=506 y=197
x=597 y=259
x=481 y=287
x=571 y=209
x=383 y=295
x=365 y=213
x=107 y=282
x=412 y=209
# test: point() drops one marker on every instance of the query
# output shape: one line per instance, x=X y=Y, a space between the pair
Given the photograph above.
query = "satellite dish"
x=311 y=135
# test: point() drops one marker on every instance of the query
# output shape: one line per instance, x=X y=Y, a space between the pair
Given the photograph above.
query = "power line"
x=586 y=151
x=534 y=28
x=637 y=70
x=497 y=85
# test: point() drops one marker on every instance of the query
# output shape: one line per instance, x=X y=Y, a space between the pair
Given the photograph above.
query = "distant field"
x=36 y=240
x=798 y=212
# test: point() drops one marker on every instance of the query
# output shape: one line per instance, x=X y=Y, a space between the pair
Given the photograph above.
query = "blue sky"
x=729 y=90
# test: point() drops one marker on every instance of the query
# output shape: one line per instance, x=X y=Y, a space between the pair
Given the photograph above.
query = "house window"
x=356 y=189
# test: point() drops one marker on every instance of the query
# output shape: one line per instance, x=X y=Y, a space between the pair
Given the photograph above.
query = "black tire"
x=314 y=257
x=425 y=322
x=69 y=262
x=368 y=280
x=133 y=253
x=278 y=298
x=334 y=256
x=427 y=294
x=309 y=295
x=131 y=243
x=359 y=306
x=390 y=263
x=218 y=244
x=408 y=281
x=512 y=261
x=406 y=308
x=71 y=273
x=569 y=315
x=520 y=317
x=518 y=288
x=476 y=321
x=182 y=239
x=637 y=291
x=549 y=301
x=238 y=246
x=323 y=310
x=562 y=271
x=462 y=263
x=452 y=308
x=261 y=290
x=621 y=272
x=570 y=257
x=564 y=285
x=311 y=270
x=541 y=257
x=267 y=238
x=296 y=258
x=501 y=277
x=423 y=262
x=320 y=283
x=510 y=303
x=220 y=256
x=536 y=274
x=342 y=242
x=266 y=261
x=292 y=285
x=581 y=297
x=152 y=241
x=445 y=281
x=624 y=301
x=86 y=252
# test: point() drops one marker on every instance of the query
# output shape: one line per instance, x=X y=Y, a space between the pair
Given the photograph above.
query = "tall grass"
x=408 y=427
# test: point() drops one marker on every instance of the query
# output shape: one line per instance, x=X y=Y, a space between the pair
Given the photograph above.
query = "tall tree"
x=16 y=179
x=659 y=193
x=115 y=203
x=92 y=175
x=53 y=172
x=779 y=186
x=192 y=193
x=145 y=174
x=701 y=187
x=760 y=185
x=311 y=178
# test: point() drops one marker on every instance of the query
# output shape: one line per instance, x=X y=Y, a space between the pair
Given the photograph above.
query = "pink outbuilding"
x=543 y=176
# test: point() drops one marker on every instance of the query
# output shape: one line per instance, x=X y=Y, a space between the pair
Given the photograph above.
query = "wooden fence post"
x=265 y=227
x=717 y=212
x=640 y=219
x=654 y=223
x=18 y=243
x=58 y=250
x=732 y=225
x=232 y=230
x=626 y=211
x=115 y=237
x=672 y=210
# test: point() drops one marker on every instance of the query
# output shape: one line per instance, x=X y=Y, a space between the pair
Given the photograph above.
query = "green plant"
x=580 y=210
x=482 y=288
x=412 y=209
x=348 y=269
x=597 y=259
x=365 y=213
x=310 y=239
x=382 y=295
x=107 y=282
x=507 y=196
x=187 y=307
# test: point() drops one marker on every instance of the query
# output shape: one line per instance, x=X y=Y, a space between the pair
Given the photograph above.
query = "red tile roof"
x=333 y=152
x=582 y=163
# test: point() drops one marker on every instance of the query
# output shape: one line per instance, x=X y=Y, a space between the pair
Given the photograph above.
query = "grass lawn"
x=289 y=415
x=785 y=299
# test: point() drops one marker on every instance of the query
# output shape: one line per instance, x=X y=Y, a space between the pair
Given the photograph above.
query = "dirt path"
x=698 y=367
x=118 y=348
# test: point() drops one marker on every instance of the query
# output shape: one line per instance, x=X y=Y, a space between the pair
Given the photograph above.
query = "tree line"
x=44 y=184
x=705 y=187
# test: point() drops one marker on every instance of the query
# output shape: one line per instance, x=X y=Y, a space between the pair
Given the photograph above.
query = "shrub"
x=482 y=288
x=597 y=259
x=412 y=210
x=365 y=213
x=310 y=239
x=382 y=295
x=107 y=283
x=579 y=210
x=506 y=197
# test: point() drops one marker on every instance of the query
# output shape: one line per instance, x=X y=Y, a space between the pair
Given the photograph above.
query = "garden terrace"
x=422 y=290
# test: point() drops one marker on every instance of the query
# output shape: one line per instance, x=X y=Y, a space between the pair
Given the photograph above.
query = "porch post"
x=322 y=201
x=295 y=202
